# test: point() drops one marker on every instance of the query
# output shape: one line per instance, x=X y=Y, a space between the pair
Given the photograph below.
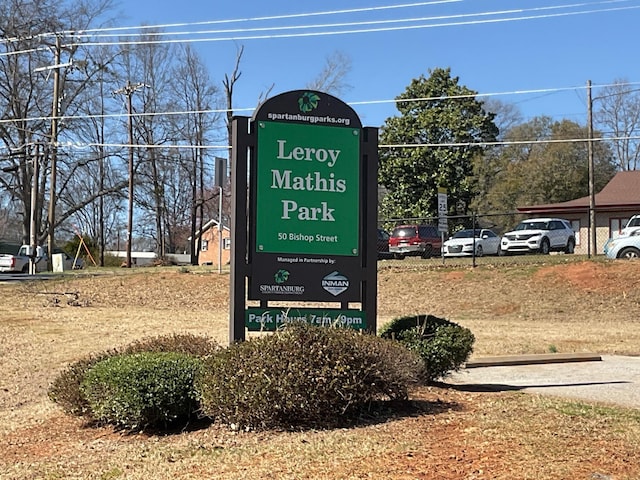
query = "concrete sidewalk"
x=612 y=380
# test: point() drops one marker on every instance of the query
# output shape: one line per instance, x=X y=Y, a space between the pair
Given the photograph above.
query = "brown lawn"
x=578 y=306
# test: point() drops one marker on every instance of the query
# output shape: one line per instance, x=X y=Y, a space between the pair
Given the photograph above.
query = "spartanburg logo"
x=335 y=283
x=281 y=276
x=308 y=101
x=279 y=288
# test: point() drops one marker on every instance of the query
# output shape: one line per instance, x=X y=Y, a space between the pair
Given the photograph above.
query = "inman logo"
x=335 y=283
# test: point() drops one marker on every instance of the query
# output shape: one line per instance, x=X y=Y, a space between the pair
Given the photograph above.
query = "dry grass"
x=447 y=434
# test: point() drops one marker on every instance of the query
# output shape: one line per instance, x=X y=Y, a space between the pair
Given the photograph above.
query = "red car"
x=420 y=240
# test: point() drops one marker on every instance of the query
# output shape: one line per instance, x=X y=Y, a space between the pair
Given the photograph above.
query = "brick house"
x=618 y=201
x=210 y=245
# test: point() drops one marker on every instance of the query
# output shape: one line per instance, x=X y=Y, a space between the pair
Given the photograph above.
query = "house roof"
x=622 y=193
x=207 y=226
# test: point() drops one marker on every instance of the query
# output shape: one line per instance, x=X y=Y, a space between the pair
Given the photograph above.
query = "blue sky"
x=482 y=41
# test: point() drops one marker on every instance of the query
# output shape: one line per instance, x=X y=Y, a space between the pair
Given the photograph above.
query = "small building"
x=211 y=248
x=618 y=201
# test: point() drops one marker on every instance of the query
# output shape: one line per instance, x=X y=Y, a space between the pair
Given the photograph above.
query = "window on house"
x=616 y=225
x=226 y=243
x=575 y=226
x=204 y=245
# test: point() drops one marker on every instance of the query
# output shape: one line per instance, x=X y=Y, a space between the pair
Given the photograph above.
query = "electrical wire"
x=124 y=114
x=121 y=42
x=146 y=35
x=503 y=143
x=256 y=19
x=344 y=32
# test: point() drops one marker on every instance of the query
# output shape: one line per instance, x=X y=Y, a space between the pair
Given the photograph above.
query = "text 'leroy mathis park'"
x=312 y=181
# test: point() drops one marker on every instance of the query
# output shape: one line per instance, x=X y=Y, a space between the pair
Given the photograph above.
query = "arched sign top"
x=308 y=107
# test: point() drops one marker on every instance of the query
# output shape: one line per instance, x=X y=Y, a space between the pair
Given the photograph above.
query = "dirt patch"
x=594 y=276
x=445 y=434
x=454 y=275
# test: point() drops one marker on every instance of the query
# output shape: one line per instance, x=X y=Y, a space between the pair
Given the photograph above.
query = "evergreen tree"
x=448 y=125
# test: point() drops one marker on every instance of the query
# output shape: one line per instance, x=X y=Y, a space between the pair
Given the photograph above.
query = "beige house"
x=618 y=201
x=211 y=248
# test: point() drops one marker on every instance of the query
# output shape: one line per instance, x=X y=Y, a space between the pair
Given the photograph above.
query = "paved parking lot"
x=613 y=380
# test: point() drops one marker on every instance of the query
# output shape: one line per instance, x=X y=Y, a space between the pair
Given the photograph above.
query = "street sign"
x=442 y=210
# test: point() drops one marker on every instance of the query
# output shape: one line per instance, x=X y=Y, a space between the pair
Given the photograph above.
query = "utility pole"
x=128 y=90
x=33 y=226
x=592 y=245
x=54 y=152
x=221 y=177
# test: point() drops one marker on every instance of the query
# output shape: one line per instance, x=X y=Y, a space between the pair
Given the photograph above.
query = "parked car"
x=541 y=235
x=19 y=263
x=421 y=240
x=627 y=247
x=462 y=243
x=383 y=244
x=633 y=225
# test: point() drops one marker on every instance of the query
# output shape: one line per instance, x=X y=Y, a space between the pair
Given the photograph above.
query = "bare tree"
x=507 y=115
x=148 y=69
x=618 y=114
x=332 y=77
x=99 y=169
x=195 y=94
x=29 y=28
x=229 y=83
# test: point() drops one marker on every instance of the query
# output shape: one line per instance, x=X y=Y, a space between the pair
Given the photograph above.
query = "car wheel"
x=501 y=252
x=398 y=256
x=544 y=246
x=571 y=246
x=629 y=253
x=25 y=269
x=479 y=251
x=428 y=251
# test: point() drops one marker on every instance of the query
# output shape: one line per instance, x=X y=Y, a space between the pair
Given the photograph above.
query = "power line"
x=78 y=145
x=273 y=17
x=334 y=25
x=354 y=103
x=348 y=32
x=338 y=32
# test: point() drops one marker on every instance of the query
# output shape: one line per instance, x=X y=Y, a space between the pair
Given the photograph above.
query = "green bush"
x=443 y=345
x=143 y=390
x=304 y=376
x=65 y=389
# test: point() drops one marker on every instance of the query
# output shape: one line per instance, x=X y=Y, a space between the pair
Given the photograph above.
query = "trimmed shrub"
x=143 y=390
x=304 y=376
x=443 y=345
x=65 y=389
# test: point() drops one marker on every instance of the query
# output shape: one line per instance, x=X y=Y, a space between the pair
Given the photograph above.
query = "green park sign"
x=308 y=189
x=304 y=208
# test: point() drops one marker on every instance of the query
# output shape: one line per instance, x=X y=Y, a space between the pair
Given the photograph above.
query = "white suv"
x=632 y=225
x=539 y=235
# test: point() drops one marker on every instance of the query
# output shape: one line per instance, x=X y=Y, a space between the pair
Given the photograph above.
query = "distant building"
x=618 y=201
x=210 y=246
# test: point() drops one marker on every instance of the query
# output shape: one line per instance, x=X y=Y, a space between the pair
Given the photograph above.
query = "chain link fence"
x=489 y=230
